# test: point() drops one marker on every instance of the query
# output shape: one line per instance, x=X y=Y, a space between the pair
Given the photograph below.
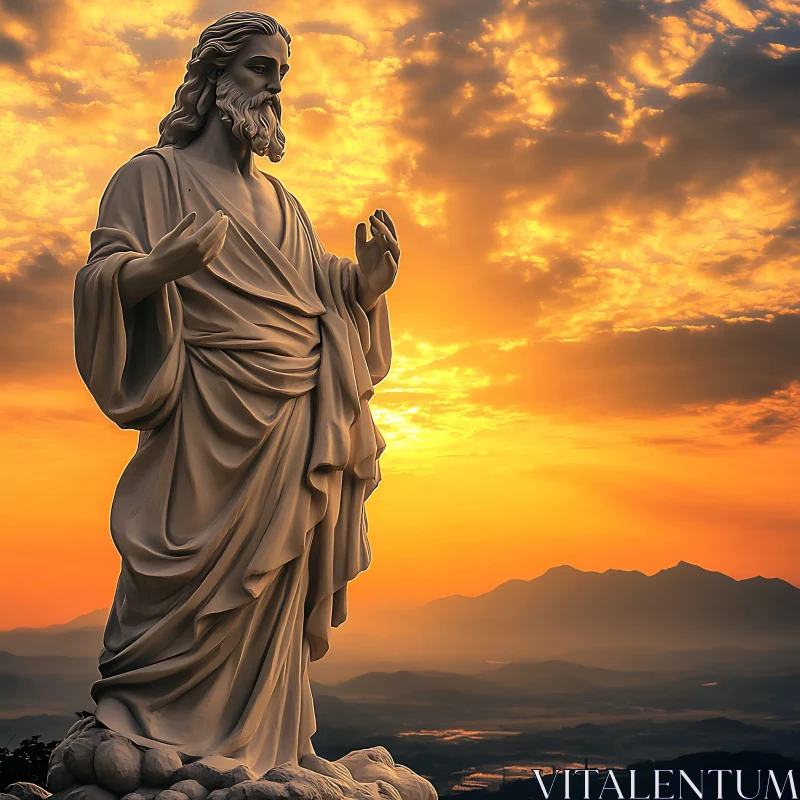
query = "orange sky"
x=597 y=319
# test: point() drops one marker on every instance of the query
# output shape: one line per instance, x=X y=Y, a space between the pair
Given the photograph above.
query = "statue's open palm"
x=378 y=258
x=174 y=257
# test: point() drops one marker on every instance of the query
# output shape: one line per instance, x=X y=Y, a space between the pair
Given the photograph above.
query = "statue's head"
x=236 y=68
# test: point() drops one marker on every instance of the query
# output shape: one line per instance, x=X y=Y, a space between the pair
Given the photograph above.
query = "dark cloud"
x=11 y=51
x=747 y=116
x=774 y=424
x=44 y=18
x=584 y=108
x=459 y=20
x=150 y=50
x=595 y=38
x=646 y=372
x=36 y=320
x=744 y=117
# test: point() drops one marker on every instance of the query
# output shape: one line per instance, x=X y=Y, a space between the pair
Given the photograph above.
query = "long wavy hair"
x=218 y=45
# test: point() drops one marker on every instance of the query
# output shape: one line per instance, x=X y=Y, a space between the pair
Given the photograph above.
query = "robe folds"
x=240 y=518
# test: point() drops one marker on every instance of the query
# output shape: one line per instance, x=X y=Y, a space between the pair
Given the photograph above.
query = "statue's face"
x=247 y=94
x=260 y=65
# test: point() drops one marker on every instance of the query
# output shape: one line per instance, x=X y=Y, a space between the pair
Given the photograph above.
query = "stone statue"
x=210 y=318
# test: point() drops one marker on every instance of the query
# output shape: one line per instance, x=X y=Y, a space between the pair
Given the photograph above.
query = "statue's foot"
x=94 y=763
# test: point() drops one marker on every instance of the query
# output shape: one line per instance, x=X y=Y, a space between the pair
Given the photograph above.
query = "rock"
x=206 y=775
x=80 y=726
x=258 y=790
x=59 y=777
x=386 y=791
x=219 y=794
x=241 y=774
x=90 y=792
x=376 y=764
x=79 y=753
x=303 y=783
x=322 y=766
x=168 y=794
x=192 y=789
x=148 y=792
x=159 y=766
x=118 y=765
x=344 y=780
x=4 y=796
x=27 y=791
x=133 y=796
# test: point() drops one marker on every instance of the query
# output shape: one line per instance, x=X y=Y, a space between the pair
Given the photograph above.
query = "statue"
x=210 y=318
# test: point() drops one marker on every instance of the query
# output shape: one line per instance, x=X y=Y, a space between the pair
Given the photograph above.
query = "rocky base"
x=94 y=763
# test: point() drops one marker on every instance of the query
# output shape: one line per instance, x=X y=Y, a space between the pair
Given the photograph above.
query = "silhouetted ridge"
x=682 y=607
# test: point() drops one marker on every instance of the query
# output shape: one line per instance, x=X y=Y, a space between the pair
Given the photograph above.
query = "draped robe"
x=240 y=518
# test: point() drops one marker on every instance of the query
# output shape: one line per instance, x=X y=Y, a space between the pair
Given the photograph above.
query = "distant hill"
x=560 y=685
x=80 y=637
x=49 y=727
x=408 y=684
x=45 y=684
x=681 y=617
x=565 y=610
x=61 y=666
x=563 y=676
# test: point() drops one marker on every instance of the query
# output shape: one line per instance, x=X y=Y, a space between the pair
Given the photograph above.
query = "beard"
x=255 y=120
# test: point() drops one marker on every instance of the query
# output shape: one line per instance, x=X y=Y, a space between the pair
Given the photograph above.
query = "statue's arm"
x=130 y=356
x=368 y=310
x=172 y=258
x=134 y=216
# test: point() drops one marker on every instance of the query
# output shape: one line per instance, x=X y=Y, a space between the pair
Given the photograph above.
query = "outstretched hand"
x=377 y=258
x=172 y=258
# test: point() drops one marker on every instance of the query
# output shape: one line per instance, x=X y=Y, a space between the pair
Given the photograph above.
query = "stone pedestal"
x=94 y=763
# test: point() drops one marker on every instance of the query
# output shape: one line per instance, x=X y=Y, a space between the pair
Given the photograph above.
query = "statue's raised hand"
x=378 y=258
x=173 y=257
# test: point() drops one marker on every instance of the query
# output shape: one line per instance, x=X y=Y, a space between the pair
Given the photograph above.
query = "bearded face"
x=255 y=120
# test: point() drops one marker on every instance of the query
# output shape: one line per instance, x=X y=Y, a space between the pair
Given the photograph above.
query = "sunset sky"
x=597 y=318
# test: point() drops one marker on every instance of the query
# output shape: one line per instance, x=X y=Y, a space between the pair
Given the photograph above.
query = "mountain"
x=62 y=666
x=45 y=684
x=554 y=687
x=563 y=676
x=409 y=684
x=80 y=637
x=565 y=610
x=681 y=616
x=48 y=726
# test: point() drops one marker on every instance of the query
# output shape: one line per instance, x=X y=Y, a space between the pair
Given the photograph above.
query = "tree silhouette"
x=28 y=762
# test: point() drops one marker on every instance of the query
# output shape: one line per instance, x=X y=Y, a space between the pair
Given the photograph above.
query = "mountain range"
x=618 y=619
x=569 y=665
x=589 y=617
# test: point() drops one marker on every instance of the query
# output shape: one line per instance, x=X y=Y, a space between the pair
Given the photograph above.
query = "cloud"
x=11 y=51
x=596 y=38
x=578 y=174
x=652 y=372
x=41 y=21
x=604 y=165
x=585 y=108
x=36 y=321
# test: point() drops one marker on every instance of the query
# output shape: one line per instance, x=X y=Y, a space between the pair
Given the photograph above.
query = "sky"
x=596 y=322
